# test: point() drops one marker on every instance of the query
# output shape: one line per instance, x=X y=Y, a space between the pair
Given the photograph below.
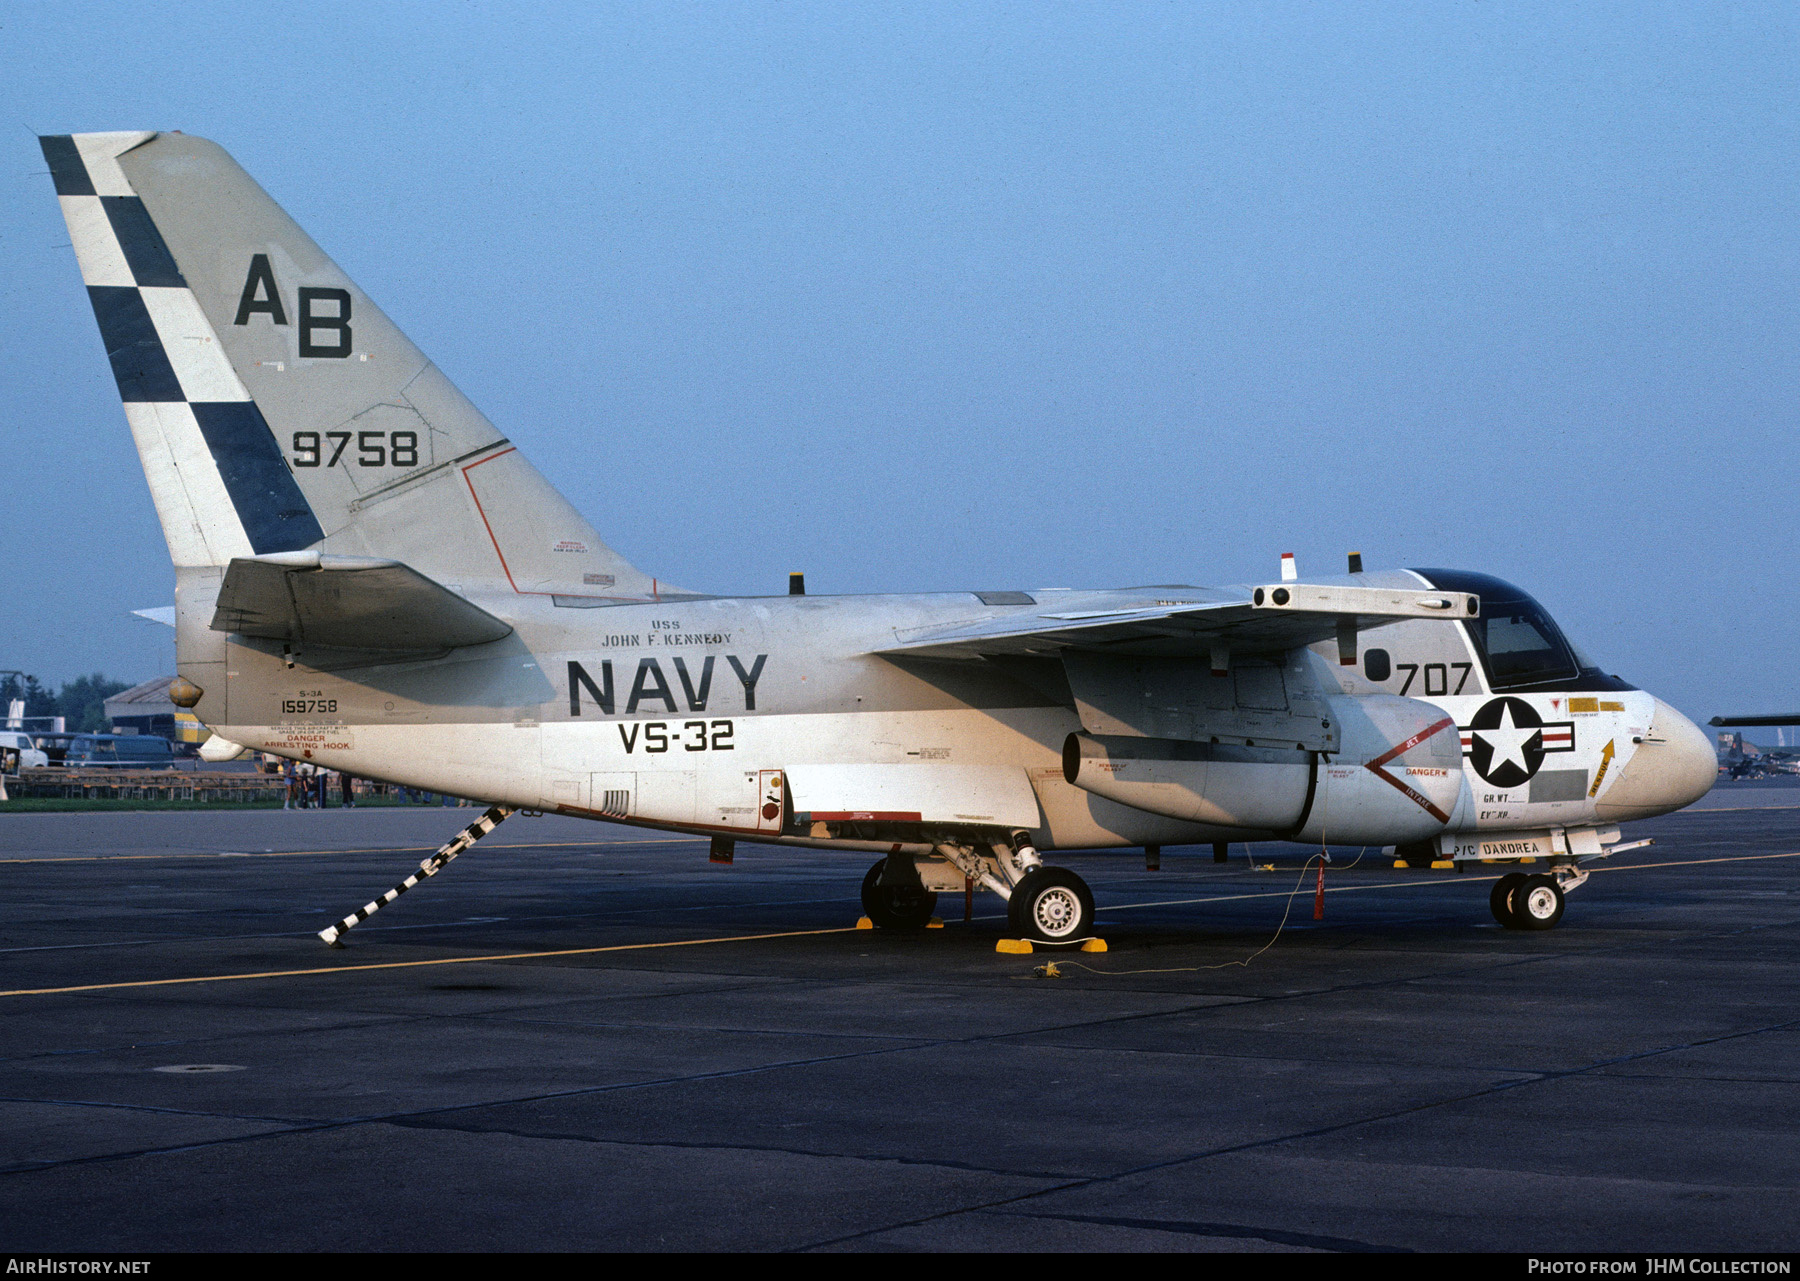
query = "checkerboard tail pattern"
x=216 y=471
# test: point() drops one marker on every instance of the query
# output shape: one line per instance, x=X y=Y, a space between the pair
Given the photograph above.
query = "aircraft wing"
x=352 y=602
x=1776 y=718
x=1276 y=617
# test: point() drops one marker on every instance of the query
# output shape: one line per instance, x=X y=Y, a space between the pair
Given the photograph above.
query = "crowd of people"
x=310 y=786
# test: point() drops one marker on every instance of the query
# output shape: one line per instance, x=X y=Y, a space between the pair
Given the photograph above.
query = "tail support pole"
x=429 y=868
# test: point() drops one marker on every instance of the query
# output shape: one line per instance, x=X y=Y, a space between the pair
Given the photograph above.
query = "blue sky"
x=993 y=296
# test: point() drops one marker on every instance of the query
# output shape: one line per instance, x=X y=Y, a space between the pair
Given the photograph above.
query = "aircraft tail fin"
x=275 y=408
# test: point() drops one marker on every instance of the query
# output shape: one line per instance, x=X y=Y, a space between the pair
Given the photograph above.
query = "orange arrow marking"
x=1606 y=755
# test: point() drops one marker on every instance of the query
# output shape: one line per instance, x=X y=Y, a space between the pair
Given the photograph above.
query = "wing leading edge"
x=1271 y=618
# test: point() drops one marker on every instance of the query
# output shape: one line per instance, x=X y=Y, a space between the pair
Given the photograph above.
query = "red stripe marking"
x=482 y=511
x=1375 y=768
x=655 y=591
x=1411 y=743
x=866 y=816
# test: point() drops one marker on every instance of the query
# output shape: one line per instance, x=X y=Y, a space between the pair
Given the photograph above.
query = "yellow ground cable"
x=748 y=938
x=1728 y=809
x=402 y=965
x=1190 y=969
x=1286 y=911
x=372 y=849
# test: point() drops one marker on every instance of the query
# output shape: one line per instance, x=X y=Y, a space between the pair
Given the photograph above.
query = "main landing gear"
x=1535 y=902
x=1043 y=904
x=894 y=904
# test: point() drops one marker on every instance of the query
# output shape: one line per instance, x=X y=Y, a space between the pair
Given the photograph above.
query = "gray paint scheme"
x=426 y=636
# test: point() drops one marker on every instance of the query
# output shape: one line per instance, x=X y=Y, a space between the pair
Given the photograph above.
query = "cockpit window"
x=1519 y=643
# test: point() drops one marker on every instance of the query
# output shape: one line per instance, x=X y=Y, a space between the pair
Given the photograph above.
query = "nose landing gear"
x=1051 y=905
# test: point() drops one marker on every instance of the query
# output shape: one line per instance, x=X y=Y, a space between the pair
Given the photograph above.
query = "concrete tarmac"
x=586 y=1037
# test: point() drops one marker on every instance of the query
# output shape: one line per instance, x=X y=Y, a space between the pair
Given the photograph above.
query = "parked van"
x=119 y=751
x=17 y=752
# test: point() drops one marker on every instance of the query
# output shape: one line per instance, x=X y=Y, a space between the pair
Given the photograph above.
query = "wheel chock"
x=864 y=923
x=1401 y=865
x=1094 y=945
x=1017 y=947
x=1442 y=864
x=935 y=923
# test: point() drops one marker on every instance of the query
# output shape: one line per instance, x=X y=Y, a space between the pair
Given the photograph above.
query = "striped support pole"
x=429 y=868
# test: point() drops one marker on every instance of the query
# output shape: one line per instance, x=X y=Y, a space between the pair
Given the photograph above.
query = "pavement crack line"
x=702 y=1145
x=426 y=1119
x=1251 y=1145
x=1277 y=1236
x=420 y=1114
x=148 y=1107
x=400 y=1118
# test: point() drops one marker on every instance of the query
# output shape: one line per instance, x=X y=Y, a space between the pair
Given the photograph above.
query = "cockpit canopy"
x=1520 y=645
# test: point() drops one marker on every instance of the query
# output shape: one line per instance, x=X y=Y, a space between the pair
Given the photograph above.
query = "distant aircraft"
x=1756 y=763
x=371 y=577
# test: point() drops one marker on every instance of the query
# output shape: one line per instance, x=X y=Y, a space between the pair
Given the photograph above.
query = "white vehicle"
x=370 y=577
x=18 y=752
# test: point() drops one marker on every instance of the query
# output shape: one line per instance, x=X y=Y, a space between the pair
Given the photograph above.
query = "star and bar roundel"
x=1506 y=741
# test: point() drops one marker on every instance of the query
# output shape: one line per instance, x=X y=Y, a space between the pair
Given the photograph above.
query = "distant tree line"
x=80 y=702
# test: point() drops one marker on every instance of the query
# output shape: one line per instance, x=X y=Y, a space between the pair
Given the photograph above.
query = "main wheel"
x=1051 y=905
x=1538 y=904
x=895 y=907
x=1500 y=899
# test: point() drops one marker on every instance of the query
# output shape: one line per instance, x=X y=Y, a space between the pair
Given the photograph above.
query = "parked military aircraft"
x=370 y=576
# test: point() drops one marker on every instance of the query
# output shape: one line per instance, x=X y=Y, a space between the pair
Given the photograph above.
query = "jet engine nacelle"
x=1396 y=777
x=1258 y=788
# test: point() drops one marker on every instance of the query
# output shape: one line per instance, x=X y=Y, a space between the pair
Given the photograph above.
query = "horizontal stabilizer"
x=350 y=602
x=1277 y=617
x=216 y=750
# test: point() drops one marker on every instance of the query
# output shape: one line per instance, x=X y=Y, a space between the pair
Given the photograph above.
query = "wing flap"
x=349 y=602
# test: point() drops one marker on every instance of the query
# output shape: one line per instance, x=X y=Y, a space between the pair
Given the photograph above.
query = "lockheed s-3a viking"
x=371 y=577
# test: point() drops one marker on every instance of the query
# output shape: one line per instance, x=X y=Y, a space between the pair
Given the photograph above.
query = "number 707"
x=1437 y=678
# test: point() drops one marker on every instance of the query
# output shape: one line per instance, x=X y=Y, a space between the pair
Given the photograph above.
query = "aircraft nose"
x=1674 y=766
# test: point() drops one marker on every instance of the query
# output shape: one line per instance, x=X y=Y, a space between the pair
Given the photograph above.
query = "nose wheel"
x=1051 y=905
x=1521 y=902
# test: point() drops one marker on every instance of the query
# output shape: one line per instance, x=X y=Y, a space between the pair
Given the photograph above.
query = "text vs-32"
x=693 y=736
